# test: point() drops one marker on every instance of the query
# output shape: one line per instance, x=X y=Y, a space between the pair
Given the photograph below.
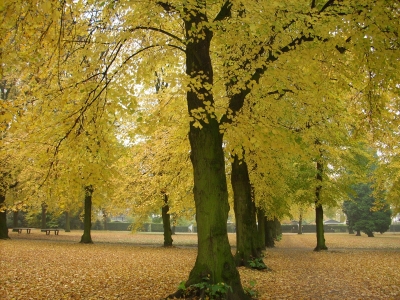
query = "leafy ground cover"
x=121 y=265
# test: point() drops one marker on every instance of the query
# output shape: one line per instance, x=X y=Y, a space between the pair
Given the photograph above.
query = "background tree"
x=363 y=215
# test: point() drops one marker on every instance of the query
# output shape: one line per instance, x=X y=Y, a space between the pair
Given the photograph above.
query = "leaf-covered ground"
x=121 y=265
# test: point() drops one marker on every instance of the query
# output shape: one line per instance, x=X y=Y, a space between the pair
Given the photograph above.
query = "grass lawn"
x=121 y=265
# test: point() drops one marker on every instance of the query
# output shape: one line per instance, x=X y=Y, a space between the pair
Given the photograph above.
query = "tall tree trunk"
x=166 y=223
x=3 y=218
x=44 y=213
x=214 y=257
x=87 y=221
x=67 y=222
x=300 y=230
x=15 y=218
x=269 y=233
x=277 y=233
x=319 y=212
x=247 y=247
x=358 y=233
x=261 y=228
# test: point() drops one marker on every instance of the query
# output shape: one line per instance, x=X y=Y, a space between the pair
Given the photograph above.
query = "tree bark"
x=3 y=218
x=358 y=233
x=277 y=229
x=247 y=246
x=166 y=223
x=300 y=229
x=261 y=228
x=87 y=221
x=269 y=233
x=214 y=257
x=44 y=212
x=67 y=222
x=319 y=212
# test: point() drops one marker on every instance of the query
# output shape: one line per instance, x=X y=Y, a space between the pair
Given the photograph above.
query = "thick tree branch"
x=225 y=11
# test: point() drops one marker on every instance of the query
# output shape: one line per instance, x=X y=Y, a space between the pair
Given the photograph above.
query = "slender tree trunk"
x=269 y=233
x=300 y=230
x=247 y=247
x=319 y=212
x=261 y=228
x=15 y=218
x=87 y=222
x=3 y=218
x=351 y=231
x=166 y=223
x=44 y=213
x=277 y=229
x=67 y=222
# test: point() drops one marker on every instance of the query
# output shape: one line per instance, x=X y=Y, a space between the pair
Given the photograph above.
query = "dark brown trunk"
x=319 y=212
x=269 y=233
x=247 y=247
x=3 y=218
x=261 y=228
x=277 y=233
x=87 y=219
x=358 y=233
x=166 y=223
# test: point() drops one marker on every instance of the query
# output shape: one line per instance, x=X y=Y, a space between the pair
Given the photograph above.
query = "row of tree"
x=151 y=104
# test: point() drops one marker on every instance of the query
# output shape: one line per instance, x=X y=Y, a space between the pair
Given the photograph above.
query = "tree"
x=87 y=220
x=166 y=223
x=362 y=213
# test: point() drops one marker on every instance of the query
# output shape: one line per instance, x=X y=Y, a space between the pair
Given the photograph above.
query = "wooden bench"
x=19 y=230
x=49 y=230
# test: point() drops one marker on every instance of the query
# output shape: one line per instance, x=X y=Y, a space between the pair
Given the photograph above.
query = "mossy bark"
x=319 y=212
x=319 y=222
x=87 y=219
x=214 y=257
x=247 y=246
x=166 y=223
x=67 y=222
x=3 y=219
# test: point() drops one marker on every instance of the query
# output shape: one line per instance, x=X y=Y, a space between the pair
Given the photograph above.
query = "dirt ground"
x=122 y=265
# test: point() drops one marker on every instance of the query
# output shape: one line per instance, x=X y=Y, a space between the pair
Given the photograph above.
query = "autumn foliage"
x=121 y=265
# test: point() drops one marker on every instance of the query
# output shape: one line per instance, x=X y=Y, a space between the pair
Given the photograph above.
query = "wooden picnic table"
x=48 y=230
x=19 y=229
